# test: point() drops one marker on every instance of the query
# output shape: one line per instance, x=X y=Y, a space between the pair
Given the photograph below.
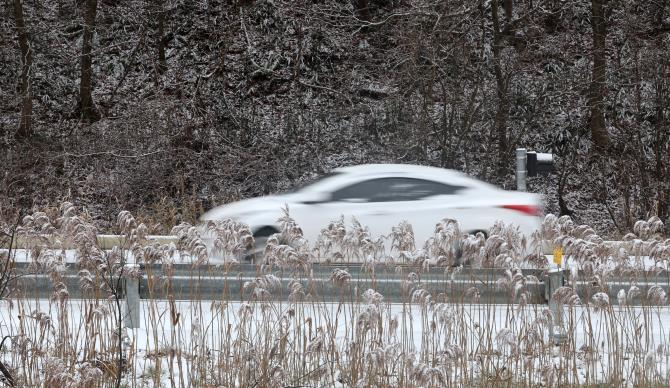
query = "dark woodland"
x=167 y=108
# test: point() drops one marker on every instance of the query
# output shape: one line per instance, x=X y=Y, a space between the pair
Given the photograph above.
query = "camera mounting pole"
x=521 y=169
x=531 y=163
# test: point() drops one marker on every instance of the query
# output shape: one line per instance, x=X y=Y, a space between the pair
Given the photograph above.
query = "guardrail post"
x=131 y=292
x=556 y=280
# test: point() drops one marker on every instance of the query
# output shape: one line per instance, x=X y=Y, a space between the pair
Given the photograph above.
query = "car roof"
x=364 y=169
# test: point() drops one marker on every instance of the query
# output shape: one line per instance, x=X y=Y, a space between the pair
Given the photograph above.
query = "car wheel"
x=256 y=255
x=459 y=248
x=474 y=232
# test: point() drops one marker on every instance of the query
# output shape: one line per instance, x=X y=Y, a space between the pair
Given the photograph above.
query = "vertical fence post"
x=556 y=280
x=521 y=169
x=131 y=292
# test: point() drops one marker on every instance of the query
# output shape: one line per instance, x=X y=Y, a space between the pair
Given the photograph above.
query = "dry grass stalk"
x=293 y=336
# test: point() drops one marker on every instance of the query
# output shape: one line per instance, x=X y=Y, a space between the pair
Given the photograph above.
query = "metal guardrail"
x=108 y=241
x=227 y=283
x=187 y=282
x=105 y=241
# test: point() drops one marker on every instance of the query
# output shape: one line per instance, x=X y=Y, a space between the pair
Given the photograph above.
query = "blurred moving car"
x=380 y=196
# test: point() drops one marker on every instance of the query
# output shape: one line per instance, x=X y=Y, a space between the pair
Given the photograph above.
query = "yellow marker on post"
x=558 y=256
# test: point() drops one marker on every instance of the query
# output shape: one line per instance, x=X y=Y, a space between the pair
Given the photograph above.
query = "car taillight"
x=529 y=210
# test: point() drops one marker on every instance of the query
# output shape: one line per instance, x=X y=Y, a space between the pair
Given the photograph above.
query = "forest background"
x=169 y=107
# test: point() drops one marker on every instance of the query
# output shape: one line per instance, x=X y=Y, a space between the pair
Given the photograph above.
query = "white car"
x=380 y=196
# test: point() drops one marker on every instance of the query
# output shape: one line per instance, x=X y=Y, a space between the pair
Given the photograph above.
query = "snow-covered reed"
x=292 y=336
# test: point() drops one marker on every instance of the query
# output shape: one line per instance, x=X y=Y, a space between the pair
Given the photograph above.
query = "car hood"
x=239 y=209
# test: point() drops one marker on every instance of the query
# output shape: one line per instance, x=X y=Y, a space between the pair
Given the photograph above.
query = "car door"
x=382 y=203
x=367 y=201
x=422 y=203
x=349 y=200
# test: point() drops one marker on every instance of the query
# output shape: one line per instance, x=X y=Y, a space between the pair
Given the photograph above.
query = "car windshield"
x=310 y=182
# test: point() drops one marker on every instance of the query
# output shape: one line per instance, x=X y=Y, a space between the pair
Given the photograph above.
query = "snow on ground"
x=176 y=338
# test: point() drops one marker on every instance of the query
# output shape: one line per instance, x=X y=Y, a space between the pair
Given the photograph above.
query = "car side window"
x=393 y=189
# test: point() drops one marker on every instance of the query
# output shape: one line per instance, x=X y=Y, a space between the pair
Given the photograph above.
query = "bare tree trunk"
x=509 y=8
x=661 y=145
x=298 y=57
x=598 y=80
x=500 y=124
x=25 y=122
x=563 y=208
x=657 y=13
x=160 y=37
x=86 y=107
x=363 y=9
